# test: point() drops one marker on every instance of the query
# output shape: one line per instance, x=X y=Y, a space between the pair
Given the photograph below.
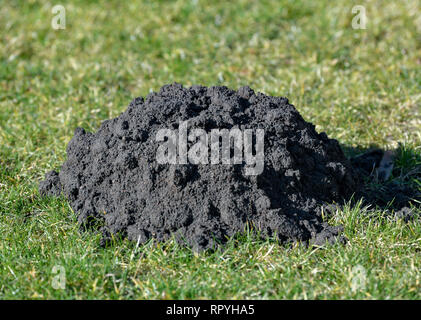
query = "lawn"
x=361 y=86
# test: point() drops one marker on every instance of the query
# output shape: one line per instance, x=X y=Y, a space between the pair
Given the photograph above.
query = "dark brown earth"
x=112 y=176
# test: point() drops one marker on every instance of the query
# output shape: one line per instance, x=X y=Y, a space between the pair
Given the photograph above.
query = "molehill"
x=113 y=175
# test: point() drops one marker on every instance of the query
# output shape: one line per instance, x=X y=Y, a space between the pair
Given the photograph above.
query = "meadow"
x=361 y=86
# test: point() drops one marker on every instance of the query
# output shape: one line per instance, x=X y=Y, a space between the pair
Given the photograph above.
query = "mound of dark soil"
x=113 y=175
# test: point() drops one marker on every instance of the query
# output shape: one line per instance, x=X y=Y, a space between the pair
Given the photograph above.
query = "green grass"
x=362 y=87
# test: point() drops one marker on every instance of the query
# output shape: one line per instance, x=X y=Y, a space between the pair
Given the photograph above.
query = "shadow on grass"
x=399 y=193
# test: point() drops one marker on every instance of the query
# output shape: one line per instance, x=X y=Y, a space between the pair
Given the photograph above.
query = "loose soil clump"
x=113 y=175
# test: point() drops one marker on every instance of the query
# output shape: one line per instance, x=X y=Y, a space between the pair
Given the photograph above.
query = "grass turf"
x=360 y=86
